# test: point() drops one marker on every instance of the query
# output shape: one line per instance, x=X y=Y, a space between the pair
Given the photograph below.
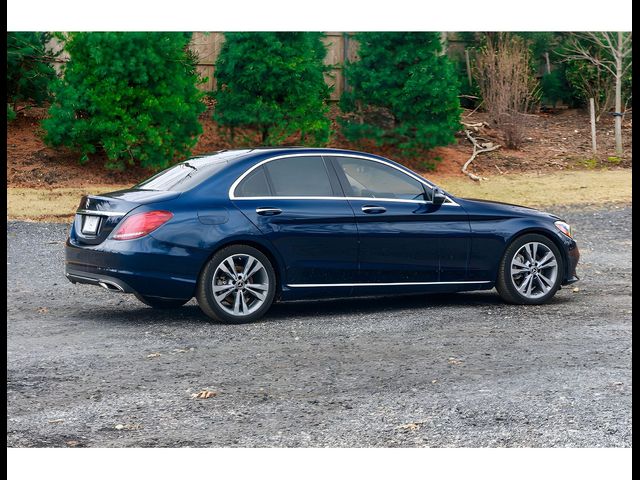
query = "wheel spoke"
x=530 y=285
x=222 y=291
x=525 y=282
x=248 y=266
x=236 y=304
x=534 y=251
x=256 y=293
x=245 y=307
x=529 y=249
x=518 y=269
x=544 y=282
x=256 y=268
x=518 y=264
x=546 y=258
x=231 y=272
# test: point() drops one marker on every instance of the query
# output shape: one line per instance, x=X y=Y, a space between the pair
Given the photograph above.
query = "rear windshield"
x=186 y=175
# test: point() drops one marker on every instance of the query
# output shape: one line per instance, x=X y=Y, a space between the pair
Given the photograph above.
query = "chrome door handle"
x=373 y=209
x=267 y=211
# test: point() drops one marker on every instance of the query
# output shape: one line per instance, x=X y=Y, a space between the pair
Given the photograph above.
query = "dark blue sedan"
x=239 y=229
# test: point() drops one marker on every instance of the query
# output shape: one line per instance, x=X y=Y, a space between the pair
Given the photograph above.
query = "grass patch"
x=562 y=188
x=593 y=187
x=50 y=205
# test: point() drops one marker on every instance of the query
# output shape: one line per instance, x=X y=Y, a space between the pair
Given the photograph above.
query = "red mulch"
x=556 y=141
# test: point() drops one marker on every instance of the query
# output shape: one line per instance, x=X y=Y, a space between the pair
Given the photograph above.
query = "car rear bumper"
x=105 y=281
x=139 y=268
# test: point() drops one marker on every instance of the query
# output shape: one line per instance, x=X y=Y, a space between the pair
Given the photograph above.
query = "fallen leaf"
x=455 y=361
x=204 y=394
x=575 y=290
x=119 y=426
x=411 y=426
x=57 y=420
x=42 y=310
x=154 y=355
x=180 y=350
x=72 y=443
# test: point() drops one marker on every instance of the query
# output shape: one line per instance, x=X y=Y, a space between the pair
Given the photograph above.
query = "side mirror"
x=438 y=196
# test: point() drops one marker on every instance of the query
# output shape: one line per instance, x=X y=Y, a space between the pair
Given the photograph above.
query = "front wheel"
x=530 y=271
x=237 y=285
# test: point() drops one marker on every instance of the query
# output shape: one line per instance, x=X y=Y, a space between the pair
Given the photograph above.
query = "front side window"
x=370 y=179
x=299 y=177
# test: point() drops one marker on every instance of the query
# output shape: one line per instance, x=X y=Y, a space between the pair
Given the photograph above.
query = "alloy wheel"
x=534 y=269
x=240 y=284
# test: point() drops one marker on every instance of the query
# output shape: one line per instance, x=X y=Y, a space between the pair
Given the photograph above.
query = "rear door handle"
x=373 y=209
x=268 y=211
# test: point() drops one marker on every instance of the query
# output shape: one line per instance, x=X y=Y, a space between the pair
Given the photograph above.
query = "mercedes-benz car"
x=240 y=229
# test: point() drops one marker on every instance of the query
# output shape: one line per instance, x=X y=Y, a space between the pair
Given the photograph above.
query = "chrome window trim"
x=100 y=213
x=314 y=285
x=232 y=189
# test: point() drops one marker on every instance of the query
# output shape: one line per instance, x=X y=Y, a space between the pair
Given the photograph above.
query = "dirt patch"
x=31 y=163
x=556 y=142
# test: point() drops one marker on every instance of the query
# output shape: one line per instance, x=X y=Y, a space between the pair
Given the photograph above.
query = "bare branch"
x=477 y=149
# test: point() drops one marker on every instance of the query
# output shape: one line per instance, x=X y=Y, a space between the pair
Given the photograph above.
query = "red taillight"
x=141 y=224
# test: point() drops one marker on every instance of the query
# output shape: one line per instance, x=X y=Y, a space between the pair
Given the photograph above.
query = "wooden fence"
x=340 y=47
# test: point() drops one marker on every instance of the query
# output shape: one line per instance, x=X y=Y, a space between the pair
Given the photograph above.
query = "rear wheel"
x=530 y=271
x=237 y=285
x=161 y=303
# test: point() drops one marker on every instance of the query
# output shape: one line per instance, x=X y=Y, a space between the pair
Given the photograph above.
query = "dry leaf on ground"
x=204 y=394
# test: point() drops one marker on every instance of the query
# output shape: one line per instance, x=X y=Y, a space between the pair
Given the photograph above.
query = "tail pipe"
x=111 y=286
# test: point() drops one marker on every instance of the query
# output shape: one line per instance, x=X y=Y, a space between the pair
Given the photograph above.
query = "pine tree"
x=273 y=83
x=29 y=70
x=132 y=95
x=404 y=92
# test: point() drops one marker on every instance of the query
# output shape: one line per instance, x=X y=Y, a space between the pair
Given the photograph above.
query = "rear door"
x=297 y=203
x=403 y=237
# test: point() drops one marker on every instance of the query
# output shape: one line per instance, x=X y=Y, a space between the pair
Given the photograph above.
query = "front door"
x=403 y=237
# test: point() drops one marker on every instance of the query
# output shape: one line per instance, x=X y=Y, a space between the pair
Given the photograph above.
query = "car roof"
x=233 y=155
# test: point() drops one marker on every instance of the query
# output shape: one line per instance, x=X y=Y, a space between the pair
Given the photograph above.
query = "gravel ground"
x=90 y=368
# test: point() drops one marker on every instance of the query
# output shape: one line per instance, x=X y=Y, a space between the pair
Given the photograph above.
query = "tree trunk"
x=618 y=113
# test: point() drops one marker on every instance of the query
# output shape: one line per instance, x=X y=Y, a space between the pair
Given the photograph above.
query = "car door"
x=298 y=204
x=403 y=236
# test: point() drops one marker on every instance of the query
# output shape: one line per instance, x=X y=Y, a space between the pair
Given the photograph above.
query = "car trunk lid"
x=98 y=215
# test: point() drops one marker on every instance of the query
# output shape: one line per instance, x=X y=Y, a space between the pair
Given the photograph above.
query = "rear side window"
x=254 y=185
x=299 y=177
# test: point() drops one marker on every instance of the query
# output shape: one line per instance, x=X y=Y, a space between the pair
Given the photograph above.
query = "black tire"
x=162 y=303
x=505 y=284
x=204 y=290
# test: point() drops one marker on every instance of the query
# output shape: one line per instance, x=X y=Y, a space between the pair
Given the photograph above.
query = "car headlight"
x=564 y=227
